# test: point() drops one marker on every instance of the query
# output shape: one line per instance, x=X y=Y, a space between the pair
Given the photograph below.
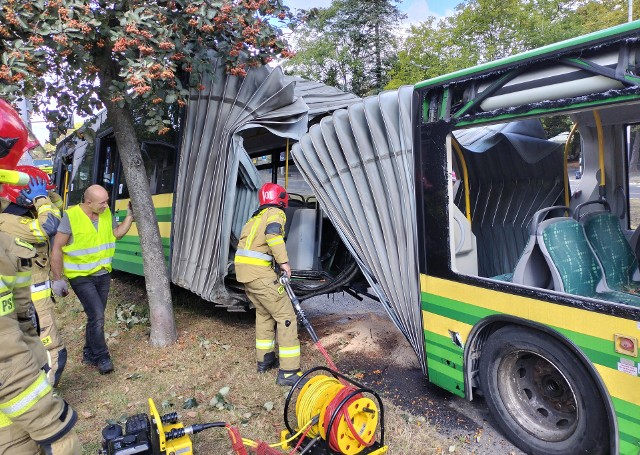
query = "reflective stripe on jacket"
x=26 y=399
x=40 y=291
x=261 y=242
x=91 y=250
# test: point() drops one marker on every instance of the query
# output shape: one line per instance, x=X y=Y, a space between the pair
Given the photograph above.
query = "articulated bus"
x=510 y=278
x=527 y=280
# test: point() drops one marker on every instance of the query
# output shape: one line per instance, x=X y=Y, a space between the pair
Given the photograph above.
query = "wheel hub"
x=538 y=396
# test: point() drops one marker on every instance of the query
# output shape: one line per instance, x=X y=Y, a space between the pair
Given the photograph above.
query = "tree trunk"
x=163 y=328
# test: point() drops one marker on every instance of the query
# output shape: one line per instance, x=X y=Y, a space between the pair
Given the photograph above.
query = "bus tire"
x=541 y=395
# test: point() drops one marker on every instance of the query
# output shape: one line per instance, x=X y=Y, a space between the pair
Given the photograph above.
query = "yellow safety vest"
x=91 y=250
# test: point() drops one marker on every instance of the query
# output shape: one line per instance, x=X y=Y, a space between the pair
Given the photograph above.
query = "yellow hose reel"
x=342 y=415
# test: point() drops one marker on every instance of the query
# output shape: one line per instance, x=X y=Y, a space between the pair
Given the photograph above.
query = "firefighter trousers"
x=274 y=313
x=32 y=419
x=51 y=339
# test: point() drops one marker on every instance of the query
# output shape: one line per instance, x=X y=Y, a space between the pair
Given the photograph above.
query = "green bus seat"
x=574 y=266
x=612 y=249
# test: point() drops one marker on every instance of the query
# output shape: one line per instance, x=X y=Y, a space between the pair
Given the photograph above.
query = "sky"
x=416 y=10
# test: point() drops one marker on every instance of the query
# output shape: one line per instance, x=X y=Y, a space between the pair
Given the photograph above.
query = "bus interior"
x=549 y=214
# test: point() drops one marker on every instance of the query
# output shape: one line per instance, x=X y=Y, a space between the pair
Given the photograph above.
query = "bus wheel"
x=542 y=397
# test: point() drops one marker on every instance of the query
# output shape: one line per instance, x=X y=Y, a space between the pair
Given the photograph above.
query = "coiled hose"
x=347 y=419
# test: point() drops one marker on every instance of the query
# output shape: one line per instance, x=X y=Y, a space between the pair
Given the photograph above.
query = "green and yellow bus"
x=529 y=281
x=509 y=277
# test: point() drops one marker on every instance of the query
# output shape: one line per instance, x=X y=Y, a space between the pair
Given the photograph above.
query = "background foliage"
x=336 y=45
x=83 y=52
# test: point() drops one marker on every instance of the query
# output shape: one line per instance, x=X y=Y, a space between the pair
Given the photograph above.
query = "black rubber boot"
x=105 y=365
x=288 y=377
x=270 y=362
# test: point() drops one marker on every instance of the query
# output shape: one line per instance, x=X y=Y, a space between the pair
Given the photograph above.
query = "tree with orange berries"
x=117 y=54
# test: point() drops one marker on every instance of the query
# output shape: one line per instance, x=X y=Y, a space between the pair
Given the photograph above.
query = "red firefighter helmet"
x=12 y=192
x=272 y=193
x=14 y=136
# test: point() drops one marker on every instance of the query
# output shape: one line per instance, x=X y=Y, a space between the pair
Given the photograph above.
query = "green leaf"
x=171 y=98
x=224 y=391
x=189 y=403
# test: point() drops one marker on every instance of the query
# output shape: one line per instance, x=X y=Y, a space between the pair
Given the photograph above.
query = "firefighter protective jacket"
x=261 y=243
x=32 y=230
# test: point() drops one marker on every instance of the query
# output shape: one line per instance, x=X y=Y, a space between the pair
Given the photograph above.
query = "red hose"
x=324 y=352
x=236 y=441
x=264 y=449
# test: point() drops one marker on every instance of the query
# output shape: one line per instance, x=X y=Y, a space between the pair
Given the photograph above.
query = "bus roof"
x=599 y=37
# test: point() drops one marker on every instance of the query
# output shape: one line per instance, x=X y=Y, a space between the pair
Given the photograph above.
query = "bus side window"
x=633 y=178
x=159 y=163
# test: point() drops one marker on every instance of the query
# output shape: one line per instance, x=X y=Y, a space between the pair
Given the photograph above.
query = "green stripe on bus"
x=598 y=350
x=454 y=309
x=454 y=361
x=628 y=430
x=628 y=410
x=166 y=241
x=444 y=363
x=161 y=211
x=128 y=266
x=135 y=248
x=627 y=448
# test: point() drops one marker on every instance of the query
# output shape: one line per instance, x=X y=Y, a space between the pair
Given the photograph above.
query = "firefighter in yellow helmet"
x=32 y=213
x=261 y=243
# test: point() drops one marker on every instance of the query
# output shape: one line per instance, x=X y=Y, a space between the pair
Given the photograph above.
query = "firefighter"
x=261 y=243
x=32 y=213
x=32 y=419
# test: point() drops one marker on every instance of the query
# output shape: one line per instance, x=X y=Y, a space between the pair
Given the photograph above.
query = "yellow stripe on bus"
x=159 y=200
x=441 y=325
x=165 y=229
x=574 y=319
x=621 y=385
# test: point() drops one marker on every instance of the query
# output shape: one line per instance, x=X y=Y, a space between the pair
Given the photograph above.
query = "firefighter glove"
x=60 y=288
x=37 y=188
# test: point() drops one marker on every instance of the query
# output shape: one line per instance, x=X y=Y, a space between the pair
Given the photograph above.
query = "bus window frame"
x=433 y=164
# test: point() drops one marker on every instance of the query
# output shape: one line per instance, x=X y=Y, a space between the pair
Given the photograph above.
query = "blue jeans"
x=93 y=291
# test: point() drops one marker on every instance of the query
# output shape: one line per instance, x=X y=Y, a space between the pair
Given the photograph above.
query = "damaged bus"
x=509 y=279
x=204 y=177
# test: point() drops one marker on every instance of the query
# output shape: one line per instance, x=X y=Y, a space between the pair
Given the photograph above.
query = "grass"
x=215 y=349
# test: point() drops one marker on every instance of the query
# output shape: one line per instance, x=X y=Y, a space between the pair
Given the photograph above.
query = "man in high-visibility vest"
x=32 y=419
x=83 y=248
x=261 y=243
x=32 y=213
